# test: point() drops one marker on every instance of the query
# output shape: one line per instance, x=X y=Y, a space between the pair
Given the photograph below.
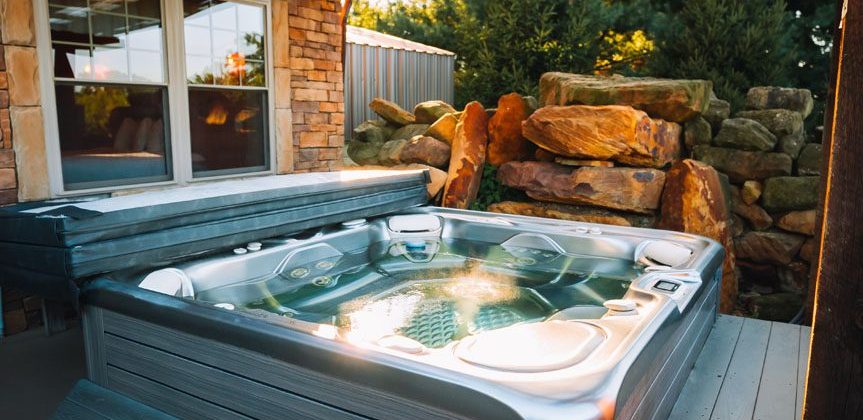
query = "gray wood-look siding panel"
x=655 y=379
x=166 y=398
x=699 y=394
x=94 y=348
x=668 y=400
x=357 y=399
x=778 y=389
x=230 y=391
x=689 y=336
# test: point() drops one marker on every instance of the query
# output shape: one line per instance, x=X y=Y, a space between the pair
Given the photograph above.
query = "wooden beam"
x=835 y=374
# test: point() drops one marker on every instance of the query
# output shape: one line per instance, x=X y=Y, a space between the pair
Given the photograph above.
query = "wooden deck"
x=749 y=369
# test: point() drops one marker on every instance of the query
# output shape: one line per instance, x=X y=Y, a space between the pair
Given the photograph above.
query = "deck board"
x=777 y=393
x=749 y=369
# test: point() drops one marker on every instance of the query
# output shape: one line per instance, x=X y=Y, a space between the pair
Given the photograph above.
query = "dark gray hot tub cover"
x=72 y=241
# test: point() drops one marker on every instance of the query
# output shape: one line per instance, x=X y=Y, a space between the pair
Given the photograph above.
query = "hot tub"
x=426 y=313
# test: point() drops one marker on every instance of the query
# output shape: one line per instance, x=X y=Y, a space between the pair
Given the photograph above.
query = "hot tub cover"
x=62 y=241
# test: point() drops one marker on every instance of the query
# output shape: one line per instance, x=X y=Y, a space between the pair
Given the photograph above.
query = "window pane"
x=108 y=30
x=228 y=130
x=72 y=61
x=69 y=24
x=112 y=135
x=114 y=33
x=232 y=35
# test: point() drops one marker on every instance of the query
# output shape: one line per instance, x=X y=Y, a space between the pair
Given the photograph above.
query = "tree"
x=735 y=43
x=505 y=45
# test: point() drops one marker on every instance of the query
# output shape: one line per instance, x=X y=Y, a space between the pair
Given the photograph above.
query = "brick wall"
x=317 y=87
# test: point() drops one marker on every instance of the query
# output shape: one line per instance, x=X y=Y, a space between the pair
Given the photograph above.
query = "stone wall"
x=632 y=152
x=316 y=84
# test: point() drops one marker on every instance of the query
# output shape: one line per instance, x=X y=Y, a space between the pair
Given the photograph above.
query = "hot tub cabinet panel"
x=625 y=313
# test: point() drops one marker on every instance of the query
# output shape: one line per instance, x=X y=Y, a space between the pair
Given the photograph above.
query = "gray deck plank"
x=698 y=397
x=739 y=390
x=777 y=393
x=802 y=365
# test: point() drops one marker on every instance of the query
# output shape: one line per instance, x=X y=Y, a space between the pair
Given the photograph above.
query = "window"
x=225 y=70
x=113 y=78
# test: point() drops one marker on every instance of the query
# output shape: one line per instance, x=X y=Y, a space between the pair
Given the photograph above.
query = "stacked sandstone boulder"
x=451 y=145
x=603 y=145
x=774 y=175
x=614 y=150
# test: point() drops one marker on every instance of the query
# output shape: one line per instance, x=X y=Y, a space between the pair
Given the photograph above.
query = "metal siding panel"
x=404 y=77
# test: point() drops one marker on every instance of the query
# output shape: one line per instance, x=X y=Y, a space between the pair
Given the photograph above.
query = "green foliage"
x=492 y=191
x=813 y=38
x=505 y=45
x=735 y=43
x=98 y=102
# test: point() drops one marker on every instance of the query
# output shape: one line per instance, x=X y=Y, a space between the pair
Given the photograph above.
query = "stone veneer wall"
x=307 y=93
x=317 y=84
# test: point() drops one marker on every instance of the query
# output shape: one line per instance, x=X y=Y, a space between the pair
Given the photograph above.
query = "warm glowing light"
x=326 y=331
x=217 y=116
x=235 y=63
x=368 y=321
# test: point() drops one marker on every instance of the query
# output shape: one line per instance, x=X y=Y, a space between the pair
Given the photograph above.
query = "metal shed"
x=385 y=66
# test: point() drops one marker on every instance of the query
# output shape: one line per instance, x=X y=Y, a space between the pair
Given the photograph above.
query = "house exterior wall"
x=317 y=102
x=307 y=90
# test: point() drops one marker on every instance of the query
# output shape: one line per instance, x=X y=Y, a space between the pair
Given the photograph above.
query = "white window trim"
x=178 y=102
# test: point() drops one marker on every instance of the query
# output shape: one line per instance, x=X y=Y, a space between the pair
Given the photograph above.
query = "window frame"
x=179 y=154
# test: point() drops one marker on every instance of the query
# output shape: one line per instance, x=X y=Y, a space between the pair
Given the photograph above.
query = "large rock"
x=505 y=141
x=444 y=128
x=809 y=162
x=751 y=191
x=786 y=193
x=611 y=132
x=438 y=177
x=780 y=122
x=670 y=100
x=628 y=189
x=697 y=131
x=364 y=153
x=409 y=131
x=794 y=277
x=430 y=111
x=745 y=134
x=468 y=157
x=769 y=247
x=792 y=143
x=741 y=165
x=802 y=221
x=771 y=97
x=717 y=112
x=391 y=112
x=425 y=150
x=582 y=162
x=373 y=131
x=390 y=152
x=573 y=213
x=809 y=250
x=693 y=202
x=757 y=217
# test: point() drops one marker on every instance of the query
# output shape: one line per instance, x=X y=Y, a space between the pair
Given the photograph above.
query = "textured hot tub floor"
x=749 y=369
